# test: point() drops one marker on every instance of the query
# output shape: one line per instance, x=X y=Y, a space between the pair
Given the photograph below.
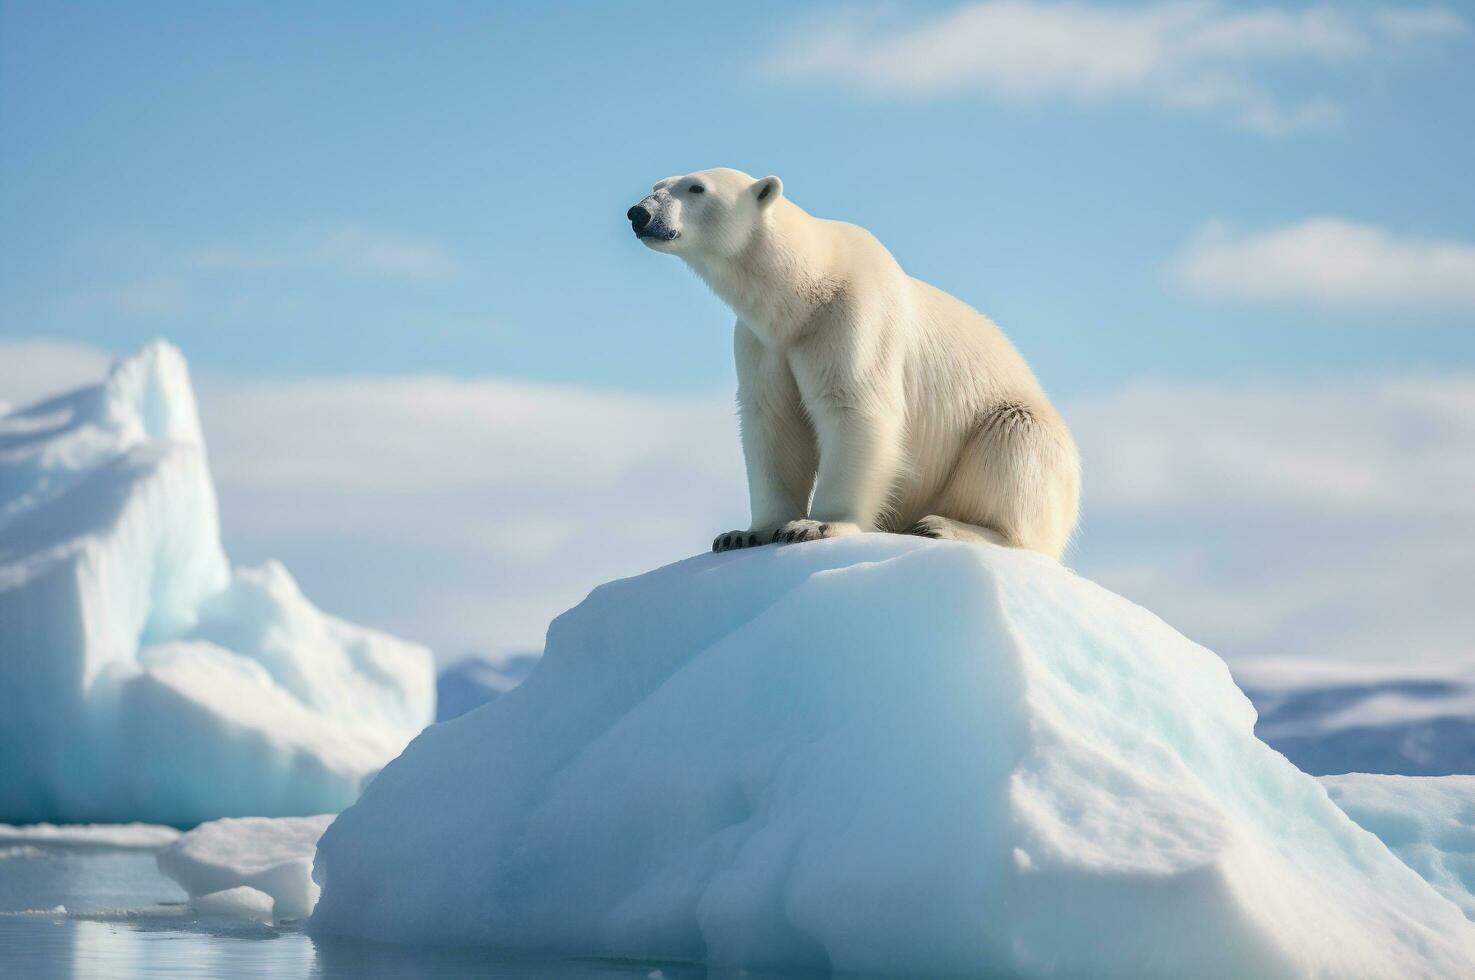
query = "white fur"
x=869 y=400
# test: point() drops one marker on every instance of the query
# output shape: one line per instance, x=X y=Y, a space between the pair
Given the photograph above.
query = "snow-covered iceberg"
x=140 y=677
x=225 y=865
x=878 y=754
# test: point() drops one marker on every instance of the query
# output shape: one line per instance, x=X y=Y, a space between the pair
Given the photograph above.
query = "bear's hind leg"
x=1018 y=478
x=947 y=529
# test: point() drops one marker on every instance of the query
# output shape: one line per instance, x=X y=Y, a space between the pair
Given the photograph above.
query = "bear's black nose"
x=639 y=217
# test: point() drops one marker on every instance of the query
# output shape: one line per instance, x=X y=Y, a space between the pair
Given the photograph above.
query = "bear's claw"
x=808 y=530
x=733 y=540
x=793 y=535
x=929 y=527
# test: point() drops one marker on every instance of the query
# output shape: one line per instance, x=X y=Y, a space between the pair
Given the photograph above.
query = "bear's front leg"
x=857 y=417
x=779 y=449
x=858 y=459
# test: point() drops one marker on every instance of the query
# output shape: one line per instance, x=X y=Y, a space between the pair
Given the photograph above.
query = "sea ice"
x=102 y=836
x=140 y=677
x=241 y=902
x=878 y=754
x=272 y=856
x=1428 y=821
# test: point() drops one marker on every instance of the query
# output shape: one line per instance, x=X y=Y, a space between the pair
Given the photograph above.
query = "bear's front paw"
x=807 y=530
x=740 y=539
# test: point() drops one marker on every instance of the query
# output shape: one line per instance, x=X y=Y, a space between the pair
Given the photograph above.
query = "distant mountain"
x=472 y=682
x=1331 y=719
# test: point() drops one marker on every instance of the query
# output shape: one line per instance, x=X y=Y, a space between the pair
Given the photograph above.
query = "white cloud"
x=467 y=513
x=1330 y=521
x=366 y=252
x=33 y=369
x=151 y=297
x=1181 y=54
x=1326 y=522
x=1406 y=23
x=1329 y=262
x=228 y=271
x=352 y=250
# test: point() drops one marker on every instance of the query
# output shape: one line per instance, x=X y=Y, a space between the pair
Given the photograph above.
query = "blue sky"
x=1236 y=241
x=178 y=169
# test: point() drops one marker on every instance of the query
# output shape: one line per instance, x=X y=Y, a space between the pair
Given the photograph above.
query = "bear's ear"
x=768 y=190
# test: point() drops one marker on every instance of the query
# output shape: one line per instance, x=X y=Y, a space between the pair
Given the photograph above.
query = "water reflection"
x=60 y=948
x=123 y=919
x=344 y=960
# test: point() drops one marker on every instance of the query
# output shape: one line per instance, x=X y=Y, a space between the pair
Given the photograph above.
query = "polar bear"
x=868 y=400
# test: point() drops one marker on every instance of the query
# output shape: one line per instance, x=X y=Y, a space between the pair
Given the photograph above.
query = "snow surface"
x=878 y=754
x=272 y=856
x=142 y=679
x=1414 y=720
x=473 y=682
x=1428 y=821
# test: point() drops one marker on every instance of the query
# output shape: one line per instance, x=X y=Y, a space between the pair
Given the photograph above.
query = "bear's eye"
x=697 y=188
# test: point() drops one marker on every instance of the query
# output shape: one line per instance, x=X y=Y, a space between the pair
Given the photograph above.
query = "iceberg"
x=472 y=682
x=878 y=754
x=245 y=865
x=141 y=677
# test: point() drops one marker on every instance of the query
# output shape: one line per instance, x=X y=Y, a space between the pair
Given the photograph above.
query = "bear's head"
x=708 y=214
